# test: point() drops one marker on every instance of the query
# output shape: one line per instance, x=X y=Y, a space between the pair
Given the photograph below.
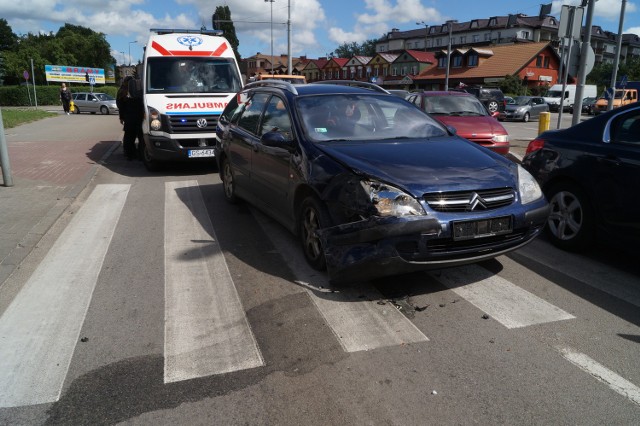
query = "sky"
x=318 y=27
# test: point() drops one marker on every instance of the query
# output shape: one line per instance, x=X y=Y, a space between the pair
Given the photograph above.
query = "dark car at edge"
x=590 y=173
x=371 y=185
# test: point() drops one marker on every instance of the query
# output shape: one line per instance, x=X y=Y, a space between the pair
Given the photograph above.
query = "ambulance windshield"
x=192 y=75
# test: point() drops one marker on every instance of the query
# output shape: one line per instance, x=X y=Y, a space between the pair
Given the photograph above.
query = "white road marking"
x=596 y=274
x=40 y=329
x=602 y=373
x=507 y=303
x=352 y=313
x=206 y=330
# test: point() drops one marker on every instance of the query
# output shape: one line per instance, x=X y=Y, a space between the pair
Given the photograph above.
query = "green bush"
x=46 y=95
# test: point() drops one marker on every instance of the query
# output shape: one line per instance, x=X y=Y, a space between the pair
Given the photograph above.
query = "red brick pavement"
x=56 y=163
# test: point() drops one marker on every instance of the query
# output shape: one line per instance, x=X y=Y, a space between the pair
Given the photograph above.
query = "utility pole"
x=446 y=80
x=289 y=61
x=4 y=157
x=582 y=68
x=616 y=62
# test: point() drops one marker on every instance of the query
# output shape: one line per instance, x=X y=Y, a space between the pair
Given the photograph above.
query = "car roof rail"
x=272 y=83
x=355 y=83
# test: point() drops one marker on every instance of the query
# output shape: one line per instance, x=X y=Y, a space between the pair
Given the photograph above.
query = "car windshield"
x=454 y=105
x=521 y=100
x=193 y=74
x=364 y=117
x=104 y=97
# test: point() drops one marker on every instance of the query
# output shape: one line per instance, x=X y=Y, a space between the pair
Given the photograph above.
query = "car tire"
x=149 y=162
x=104 y=110
x=492 y=106
x=77 y=110
x=313 y=217
x=228 y=182
x=571 y=219
x=525 y=117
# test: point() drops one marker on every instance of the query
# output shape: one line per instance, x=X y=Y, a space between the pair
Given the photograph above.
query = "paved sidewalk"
x=51 y=161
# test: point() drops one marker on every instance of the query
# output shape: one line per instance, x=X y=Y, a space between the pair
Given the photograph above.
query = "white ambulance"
x=188 y=77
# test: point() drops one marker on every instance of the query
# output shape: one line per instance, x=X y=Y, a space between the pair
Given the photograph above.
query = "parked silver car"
x=524 y=108
x=94 y=102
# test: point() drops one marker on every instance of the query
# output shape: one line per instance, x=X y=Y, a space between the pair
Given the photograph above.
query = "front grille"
x=189 y=123
x=448 y=248
x=464 y=201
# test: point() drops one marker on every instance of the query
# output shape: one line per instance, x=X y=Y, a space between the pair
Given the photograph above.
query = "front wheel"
x=570 y=224
x=149 y=162
x=77 y=110
x=313 y=217
x=228 y=183
x=525 y=118
x=104 y=110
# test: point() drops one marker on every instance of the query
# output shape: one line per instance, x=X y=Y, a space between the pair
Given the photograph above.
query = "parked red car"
x=467 y=115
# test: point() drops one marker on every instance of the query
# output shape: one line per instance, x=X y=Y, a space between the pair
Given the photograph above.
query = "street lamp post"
x=124 y=58
x=135 y=41
x=446 y=79
x=426 y=31
x=271 y=4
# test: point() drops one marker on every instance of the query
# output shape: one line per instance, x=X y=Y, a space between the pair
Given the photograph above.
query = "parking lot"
x=520 y=134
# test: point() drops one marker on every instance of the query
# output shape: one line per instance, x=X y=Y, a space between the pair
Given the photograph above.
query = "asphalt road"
x=153 y=301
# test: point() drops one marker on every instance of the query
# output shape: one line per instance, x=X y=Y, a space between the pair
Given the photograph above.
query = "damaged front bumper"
x=383 y=246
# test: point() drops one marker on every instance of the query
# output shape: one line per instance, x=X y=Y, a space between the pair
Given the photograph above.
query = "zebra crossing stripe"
x=507 y=303
x=40 y=329
x=353 y=313
x=206 y=330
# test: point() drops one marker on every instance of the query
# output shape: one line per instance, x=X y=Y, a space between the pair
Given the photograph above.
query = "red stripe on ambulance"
x=164 y=52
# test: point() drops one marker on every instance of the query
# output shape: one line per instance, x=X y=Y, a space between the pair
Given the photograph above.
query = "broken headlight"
x=391 y=201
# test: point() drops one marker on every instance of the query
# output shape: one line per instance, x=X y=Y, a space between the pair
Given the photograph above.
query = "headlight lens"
x=500 y=138
x=154 y=119
x=529 y=189
x=391 y=201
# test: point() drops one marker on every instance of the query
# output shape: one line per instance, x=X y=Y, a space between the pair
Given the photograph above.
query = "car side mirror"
x=277 y=140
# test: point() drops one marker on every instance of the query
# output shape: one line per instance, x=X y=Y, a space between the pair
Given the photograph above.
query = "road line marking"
x=206 y=329
x=358 y=322
x=40 y=329
x=507 y=303
x=602 y=373
x=595 y=274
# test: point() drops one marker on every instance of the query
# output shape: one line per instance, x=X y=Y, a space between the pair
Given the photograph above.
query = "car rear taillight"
x=535 y=145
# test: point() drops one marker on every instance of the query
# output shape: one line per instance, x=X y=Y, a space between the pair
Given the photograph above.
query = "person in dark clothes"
x=65 y=98
x=131 y=111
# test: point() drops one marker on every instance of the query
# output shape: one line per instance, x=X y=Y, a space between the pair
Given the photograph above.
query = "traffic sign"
x=25 y=74
x=92 y=80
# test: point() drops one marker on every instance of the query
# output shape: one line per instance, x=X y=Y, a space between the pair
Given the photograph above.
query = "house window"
x=345 y=74
x=487 y=36
x=359 y=72
x=463 y=39
x=476 y=38
x=409 y=45
x=442 y=62
x=429 y=43
x=546 y=62
x=414 y=70
x=492 y=22
x=539 y=60
x=403 y=71
x=385 y=71
x=525 y=35
x=457 y=61
x=394 y=71
x=438 y=42
x=472 y=60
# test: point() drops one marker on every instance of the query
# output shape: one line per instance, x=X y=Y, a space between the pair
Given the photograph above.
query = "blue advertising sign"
x=73 y=74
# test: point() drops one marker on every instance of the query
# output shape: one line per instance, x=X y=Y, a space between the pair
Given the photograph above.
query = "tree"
x=222 y=21
x=8 y=40
x=349 y=50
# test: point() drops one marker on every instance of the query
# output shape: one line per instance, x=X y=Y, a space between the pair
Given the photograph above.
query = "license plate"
x=200 y=153
x=464 y=230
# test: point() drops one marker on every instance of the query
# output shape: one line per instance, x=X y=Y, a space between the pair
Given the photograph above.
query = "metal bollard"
x=4 y=157
x=544 y=122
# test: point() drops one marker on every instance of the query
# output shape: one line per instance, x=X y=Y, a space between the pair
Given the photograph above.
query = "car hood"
x=423 y=166
x=513 y=107
x=472 y=125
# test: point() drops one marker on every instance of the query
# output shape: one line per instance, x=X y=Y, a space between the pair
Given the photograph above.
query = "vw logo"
x=201 y=123
x=476 y=201
x=189 y=40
